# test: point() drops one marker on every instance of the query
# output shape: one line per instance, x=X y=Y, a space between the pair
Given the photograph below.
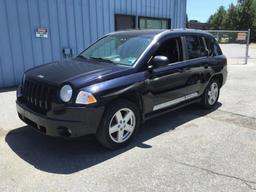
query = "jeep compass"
x=120 y=81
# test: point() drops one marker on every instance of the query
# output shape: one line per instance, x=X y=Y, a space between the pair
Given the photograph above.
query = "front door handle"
x=155 y=79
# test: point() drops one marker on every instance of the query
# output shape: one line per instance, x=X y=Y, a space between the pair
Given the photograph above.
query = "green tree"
x=232 y=18
x=247 y=14
x=218 y=19
x=238 y=17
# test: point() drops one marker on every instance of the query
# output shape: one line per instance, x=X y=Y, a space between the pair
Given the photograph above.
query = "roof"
x=146 y=32
x=154 y=32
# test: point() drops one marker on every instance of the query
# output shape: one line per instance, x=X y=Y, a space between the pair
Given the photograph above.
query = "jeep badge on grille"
x=40 y=76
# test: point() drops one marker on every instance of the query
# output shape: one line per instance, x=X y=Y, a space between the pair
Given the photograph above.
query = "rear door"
x=198 y=61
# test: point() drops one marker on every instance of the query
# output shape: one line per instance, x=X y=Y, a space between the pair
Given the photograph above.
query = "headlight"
x=85 y=98
x=66 y=93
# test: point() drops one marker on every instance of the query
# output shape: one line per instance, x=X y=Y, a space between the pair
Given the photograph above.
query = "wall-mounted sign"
x=241 y=36
x=42 y=32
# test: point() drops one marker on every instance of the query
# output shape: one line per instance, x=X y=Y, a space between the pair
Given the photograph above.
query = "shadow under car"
x=57 y=155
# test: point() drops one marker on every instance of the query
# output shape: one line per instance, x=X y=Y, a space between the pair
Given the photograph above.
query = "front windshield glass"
x=118 y=49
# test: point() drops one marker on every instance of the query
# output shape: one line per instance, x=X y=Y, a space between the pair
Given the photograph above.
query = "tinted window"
x=195 y=47
x=124 y=22
x=213 y=47
x=153 y=23
x=172 y=49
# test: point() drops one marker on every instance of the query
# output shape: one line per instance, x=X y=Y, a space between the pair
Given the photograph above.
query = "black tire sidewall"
x=103 y=131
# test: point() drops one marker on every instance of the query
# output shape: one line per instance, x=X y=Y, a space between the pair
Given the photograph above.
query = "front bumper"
x=68 y=122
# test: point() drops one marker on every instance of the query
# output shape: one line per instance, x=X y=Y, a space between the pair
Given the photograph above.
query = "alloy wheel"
x=213 y=93
x=122 y=125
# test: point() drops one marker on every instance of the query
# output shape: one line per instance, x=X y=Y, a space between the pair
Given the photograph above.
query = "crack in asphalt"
x=233 y=118
x=237 y=114
x=246 y=182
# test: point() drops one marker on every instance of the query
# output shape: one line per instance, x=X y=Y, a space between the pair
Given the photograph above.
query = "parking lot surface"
x=187 y=150
x=236 y=53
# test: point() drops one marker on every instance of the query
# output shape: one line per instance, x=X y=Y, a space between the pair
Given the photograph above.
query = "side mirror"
x=207 y=53
x=159 y=61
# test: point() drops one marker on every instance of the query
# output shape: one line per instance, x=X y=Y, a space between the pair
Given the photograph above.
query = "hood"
x=78 y=72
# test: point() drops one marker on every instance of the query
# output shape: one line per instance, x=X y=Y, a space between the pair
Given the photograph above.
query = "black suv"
x=120 y=81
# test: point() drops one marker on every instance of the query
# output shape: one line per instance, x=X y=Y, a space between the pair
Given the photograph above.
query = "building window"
x=124 y=22
x=154 y=23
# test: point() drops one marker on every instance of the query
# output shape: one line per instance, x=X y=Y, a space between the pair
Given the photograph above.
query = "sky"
x=202 y=9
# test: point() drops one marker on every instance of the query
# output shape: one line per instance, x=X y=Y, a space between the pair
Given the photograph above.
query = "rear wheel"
x=211 y=94
x=119 y=124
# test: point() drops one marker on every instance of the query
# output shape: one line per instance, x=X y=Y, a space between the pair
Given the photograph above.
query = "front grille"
x=37 y=96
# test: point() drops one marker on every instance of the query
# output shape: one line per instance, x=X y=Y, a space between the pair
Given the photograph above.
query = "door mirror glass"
x=160 y=61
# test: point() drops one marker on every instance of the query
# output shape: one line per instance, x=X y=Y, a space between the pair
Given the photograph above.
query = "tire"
x=115 y=130
x=211 y=94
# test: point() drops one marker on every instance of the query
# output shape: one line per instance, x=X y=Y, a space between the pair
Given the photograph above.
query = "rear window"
x=195 y=47
x=213 y=46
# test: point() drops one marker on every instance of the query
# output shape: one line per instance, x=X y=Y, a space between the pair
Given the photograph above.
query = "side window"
x=172 y=49
x=195 y=47
x=213 y=46
x=217 y=48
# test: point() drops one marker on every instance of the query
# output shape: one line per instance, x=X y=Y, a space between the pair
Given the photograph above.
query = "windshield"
x=118 y=49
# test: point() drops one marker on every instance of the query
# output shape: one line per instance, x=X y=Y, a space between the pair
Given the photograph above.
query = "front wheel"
x=119 y=125
x=211 y=94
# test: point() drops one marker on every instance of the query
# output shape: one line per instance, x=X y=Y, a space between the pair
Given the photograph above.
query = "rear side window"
x=213 y=46
x=195 y=47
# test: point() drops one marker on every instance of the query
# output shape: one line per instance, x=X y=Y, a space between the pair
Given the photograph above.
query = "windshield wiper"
x=83 y=57
x=100 y=59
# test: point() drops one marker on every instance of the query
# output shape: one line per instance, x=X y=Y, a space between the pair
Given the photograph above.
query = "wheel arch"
x=219 y=77
x=133 y=97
